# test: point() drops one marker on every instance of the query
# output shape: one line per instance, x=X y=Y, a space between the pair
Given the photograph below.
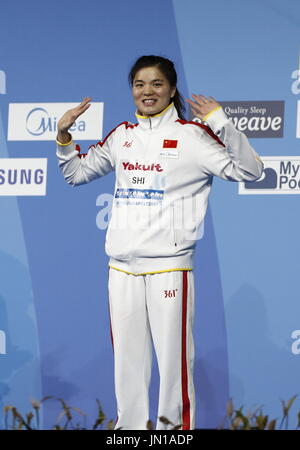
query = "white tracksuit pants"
x=158 y=306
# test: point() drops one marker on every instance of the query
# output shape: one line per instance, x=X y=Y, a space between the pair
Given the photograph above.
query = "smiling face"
x=151 y=91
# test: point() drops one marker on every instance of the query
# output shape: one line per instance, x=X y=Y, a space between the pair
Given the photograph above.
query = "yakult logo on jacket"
x=137 y=166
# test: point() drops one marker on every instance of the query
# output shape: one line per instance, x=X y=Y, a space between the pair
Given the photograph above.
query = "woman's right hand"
x=68 y=119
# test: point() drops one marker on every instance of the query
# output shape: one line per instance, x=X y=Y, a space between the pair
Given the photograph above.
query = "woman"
x=164 y=168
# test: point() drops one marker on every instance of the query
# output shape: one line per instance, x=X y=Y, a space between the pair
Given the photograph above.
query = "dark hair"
x=167 y=68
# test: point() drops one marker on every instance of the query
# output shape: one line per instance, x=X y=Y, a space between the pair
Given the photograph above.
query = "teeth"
x=148 y=101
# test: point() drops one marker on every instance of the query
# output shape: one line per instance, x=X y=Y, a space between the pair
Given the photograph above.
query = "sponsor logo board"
x=38 y=121
x=23 y=176
x=281 y=175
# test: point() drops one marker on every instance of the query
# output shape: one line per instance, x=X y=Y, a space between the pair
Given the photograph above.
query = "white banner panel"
x=23 y=176
x=38 y=121
x=298 y=120
x=281 y=175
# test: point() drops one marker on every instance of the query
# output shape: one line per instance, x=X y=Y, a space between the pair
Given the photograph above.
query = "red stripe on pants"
x=184 y=375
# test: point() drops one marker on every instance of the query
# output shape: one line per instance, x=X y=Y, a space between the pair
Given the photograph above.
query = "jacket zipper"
x=174 y=231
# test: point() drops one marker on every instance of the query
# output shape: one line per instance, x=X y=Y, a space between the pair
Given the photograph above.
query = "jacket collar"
x=152 y=123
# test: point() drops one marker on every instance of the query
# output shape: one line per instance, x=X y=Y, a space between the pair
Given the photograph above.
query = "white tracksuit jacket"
x=164 y=169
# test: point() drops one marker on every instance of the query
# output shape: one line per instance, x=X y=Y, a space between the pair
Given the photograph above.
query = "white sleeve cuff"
x=216 y=120
x=66 y=152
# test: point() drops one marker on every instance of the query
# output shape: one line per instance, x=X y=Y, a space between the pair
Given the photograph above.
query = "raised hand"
x=201 y=105
x=69 y=117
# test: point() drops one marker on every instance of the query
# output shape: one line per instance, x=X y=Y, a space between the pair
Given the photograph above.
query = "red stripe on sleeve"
x=204 y=127
x=127 y=125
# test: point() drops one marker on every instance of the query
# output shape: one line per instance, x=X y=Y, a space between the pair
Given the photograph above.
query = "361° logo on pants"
x=171 y=293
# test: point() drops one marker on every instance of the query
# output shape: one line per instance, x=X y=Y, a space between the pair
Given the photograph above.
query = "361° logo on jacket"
x=127 y=144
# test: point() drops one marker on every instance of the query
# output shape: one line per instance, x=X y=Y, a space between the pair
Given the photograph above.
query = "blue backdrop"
x=54 y=322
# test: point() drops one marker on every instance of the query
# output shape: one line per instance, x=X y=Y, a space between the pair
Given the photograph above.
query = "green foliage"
x=235 y=419
x=67 y=419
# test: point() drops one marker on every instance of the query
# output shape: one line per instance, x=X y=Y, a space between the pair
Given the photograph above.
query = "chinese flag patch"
x=169 y=143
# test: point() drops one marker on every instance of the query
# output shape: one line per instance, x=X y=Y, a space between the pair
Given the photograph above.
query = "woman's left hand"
x=201 y=105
